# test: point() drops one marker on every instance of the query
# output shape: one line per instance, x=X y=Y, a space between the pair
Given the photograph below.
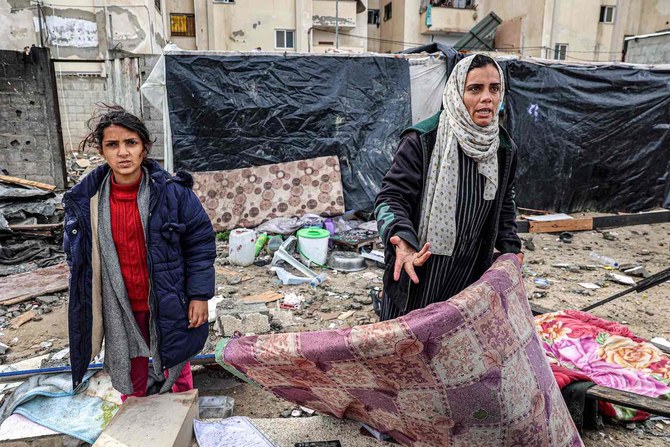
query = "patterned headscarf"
x=456 y=130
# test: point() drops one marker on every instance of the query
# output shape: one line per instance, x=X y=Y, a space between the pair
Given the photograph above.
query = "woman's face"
x=124 y=152
x=482 y=94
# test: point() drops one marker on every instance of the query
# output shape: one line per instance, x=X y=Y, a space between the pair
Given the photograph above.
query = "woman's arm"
x=400 y=195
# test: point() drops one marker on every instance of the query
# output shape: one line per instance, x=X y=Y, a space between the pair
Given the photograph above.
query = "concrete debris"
x=621 y=279
x=589 y=285
x=252 y=323
x=638 y=271
x=3 y=348
x=48 y=300
x=293 y=300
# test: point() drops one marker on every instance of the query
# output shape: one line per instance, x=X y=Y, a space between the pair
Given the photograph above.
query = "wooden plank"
x=539 y=310
x=531 y=210
x=24 y=182
x=559 y=226
x=22 y=319
x=627 y=399
x=44 y=291
x=37 y=227
x=24 y=286
x=627 y=220
x=522 y=226
x=265 y=297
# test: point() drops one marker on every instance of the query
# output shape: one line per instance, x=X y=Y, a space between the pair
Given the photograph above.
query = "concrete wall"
x=83 y=29
x=30 y=143
x=649 y=50
x=180 y=7
x=80 y=93
x=77 y=97
x=374 y=31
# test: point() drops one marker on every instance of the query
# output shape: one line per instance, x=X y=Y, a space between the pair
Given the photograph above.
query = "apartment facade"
x=590 y=30
x=304 y=26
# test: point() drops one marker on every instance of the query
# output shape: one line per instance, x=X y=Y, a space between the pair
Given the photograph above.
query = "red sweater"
x=128 y=235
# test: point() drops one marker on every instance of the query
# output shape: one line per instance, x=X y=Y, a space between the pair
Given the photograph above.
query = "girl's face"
x=482 y=94
x=124 y=152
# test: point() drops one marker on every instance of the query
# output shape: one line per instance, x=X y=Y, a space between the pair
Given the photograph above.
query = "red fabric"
x=565 y=376
x=128 y=235
x=139 y=366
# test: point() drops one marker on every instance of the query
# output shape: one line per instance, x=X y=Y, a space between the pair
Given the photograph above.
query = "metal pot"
x=346 y=261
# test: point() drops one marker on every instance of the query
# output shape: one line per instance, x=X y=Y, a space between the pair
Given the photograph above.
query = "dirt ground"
x=646 y=314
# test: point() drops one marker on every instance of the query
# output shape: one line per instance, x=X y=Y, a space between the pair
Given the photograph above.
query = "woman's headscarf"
x=456 y=129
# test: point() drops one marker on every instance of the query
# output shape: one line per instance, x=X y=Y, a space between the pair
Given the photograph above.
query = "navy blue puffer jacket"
x=181 y=250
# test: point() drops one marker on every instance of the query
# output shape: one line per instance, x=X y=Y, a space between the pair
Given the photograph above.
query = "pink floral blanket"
x=465 y=372
x=609 y=354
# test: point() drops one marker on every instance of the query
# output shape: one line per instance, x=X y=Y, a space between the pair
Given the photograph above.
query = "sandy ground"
x=647 y=314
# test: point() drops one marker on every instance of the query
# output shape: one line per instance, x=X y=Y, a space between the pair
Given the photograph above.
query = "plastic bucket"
x=242 y=247
x=313 y=245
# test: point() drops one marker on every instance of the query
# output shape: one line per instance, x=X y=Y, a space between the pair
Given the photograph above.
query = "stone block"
x=164 y=420
x=255 y=323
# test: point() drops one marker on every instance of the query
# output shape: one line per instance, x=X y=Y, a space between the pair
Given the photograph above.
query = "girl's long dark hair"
x=109 y=115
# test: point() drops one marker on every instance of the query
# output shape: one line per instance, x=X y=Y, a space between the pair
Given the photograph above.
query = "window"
x=224 y=1
x=560 y=51
x=607 y=14
x=182 y=25
x=373 y=17
x=458 y=4
x=388 y=11
x=284 y=39
x=157 y=4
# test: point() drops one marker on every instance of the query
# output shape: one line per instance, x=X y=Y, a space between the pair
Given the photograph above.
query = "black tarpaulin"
x=589 y=137
x=234 y=111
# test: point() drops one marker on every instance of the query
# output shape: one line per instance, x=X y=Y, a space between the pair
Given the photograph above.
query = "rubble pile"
x=30 y=226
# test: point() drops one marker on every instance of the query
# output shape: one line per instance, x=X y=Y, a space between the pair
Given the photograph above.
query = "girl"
x=141 y=252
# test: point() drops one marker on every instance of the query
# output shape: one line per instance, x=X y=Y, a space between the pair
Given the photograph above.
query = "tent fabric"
x=235 y=111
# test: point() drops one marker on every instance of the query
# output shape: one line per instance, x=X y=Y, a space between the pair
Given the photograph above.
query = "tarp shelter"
x=235 y=110
x=590 y=136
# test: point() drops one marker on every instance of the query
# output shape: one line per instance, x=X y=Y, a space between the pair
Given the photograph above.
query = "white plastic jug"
x=242 y=249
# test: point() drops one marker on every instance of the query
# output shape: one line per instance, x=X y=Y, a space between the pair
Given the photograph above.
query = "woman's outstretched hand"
x=407 y=257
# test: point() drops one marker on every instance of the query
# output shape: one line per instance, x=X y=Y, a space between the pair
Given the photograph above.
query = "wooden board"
x=24 y=182
x=265 y=297
x=24 y=286
x=651 y=405
x=602 y=222
x=559 y=226
x=37 y=227
x=539 y=310
x=627 y=220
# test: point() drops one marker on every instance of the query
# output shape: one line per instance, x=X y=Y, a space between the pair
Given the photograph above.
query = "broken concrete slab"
x=160 y=420
x=621 y=279
x=19 y=431
x=638 y=271
x=246 y=323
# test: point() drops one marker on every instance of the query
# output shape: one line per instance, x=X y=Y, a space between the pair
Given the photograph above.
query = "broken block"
x=157 y=420
x=232 y=317
x=253 y=323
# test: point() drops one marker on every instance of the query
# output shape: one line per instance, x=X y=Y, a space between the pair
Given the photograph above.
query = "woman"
x=141 y=252
x=448 y=198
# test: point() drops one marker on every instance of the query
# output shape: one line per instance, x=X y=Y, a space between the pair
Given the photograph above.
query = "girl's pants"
x=139 y=366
